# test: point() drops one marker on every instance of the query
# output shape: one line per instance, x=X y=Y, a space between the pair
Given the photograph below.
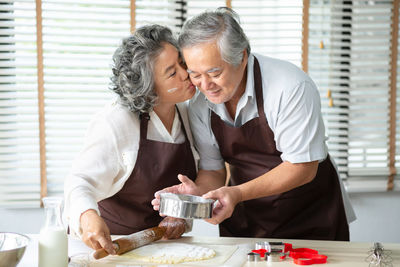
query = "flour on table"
x=170 y=253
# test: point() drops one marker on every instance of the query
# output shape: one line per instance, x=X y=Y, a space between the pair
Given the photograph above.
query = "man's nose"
x=205 y=83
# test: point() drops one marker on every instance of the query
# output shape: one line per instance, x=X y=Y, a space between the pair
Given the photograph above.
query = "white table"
x=341 y=254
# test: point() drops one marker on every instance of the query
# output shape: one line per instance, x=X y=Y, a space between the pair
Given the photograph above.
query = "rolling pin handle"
x=101 y=253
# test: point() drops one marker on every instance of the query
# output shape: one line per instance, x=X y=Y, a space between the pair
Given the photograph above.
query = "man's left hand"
x=228 y=197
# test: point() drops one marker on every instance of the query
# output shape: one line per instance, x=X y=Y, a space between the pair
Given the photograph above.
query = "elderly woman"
x=134 y=146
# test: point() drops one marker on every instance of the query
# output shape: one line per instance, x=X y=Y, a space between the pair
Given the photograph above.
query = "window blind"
x=79 y=38
x=164 y=12
x=19 y=132
x=273 y=27
x=324 y=67
x=349 y=55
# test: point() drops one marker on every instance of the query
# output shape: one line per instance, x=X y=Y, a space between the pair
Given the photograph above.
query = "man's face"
x=216 y=79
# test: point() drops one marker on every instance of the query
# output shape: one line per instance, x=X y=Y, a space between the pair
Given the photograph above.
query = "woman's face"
x=171 y=81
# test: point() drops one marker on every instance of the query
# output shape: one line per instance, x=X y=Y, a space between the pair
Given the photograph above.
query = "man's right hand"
x=186 y=186
x=95 y=233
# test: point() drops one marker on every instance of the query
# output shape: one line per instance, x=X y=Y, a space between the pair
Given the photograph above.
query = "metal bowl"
x=185 y=206
x=12 y=248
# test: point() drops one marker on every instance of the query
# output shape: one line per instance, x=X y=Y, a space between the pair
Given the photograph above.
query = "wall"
x=26 y=221
x=378 y=219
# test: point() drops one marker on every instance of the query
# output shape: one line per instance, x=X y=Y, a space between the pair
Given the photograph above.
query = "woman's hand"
x=95 y=233
x=228 y=197
x=175 y=227
x=186 y=186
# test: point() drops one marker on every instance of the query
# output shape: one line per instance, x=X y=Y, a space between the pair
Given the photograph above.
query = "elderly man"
x=262 y=116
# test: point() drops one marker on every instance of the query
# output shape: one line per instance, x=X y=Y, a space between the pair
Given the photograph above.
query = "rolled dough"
x=170 y=253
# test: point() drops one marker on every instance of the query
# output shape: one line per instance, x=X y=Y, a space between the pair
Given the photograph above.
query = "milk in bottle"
x=53 y=240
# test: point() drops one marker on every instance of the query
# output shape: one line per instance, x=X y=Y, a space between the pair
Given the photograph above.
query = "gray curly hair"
x=133 y=64
x=221 y=25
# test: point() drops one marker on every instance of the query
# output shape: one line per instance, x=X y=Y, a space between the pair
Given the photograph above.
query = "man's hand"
x=186 y=186
x=227 y=198
x=175 y=227
x=95 y=233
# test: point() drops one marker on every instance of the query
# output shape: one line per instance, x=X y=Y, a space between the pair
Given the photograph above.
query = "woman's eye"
x=172 y=74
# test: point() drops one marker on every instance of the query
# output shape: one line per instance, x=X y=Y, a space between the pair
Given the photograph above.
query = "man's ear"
x=245 y=57
x=244 y=54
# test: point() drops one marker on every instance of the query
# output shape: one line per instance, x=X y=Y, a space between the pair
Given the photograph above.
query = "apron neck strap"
x=258 y=88
x=144 y=121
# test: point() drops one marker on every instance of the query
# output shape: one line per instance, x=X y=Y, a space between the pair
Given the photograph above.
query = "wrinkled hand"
x=175 y=227
x=186 y=186
x=95 y=233
x=228 y=197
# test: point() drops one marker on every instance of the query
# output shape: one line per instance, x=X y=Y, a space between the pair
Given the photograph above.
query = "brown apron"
x=311 y=211
x=157 y=167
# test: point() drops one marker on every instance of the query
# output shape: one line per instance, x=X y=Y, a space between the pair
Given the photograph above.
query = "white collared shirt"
x=109 y=155
x=292 y=108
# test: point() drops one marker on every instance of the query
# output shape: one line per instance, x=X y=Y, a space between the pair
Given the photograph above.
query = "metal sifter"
x=185 y=206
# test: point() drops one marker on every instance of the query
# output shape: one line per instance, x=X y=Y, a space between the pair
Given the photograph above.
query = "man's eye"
x=172 y=74
x=216 y=76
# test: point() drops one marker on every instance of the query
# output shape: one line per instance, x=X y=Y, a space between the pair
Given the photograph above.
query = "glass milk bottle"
x=53 y=240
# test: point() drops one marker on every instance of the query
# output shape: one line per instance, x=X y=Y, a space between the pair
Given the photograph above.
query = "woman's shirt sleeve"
x=93 y=173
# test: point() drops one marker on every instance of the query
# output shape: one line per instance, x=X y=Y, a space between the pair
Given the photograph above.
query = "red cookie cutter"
x=300 y=256
x=307 y=256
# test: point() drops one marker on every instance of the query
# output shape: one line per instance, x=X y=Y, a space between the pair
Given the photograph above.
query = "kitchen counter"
x=339 y=253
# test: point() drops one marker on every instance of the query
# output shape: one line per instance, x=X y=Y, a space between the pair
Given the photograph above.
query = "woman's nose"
x=183 y=73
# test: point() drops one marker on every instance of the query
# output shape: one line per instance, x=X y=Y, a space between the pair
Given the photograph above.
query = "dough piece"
x=170 y=253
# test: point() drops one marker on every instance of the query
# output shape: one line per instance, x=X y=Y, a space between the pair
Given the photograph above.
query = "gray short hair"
x=133 y=64
x=221 y=25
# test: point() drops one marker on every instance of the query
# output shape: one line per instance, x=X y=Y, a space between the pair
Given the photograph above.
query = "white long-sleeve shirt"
x=109 y=155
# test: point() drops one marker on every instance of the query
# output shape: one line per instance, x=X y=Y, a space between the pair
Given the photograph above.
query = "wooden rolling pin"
x=129 y=242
